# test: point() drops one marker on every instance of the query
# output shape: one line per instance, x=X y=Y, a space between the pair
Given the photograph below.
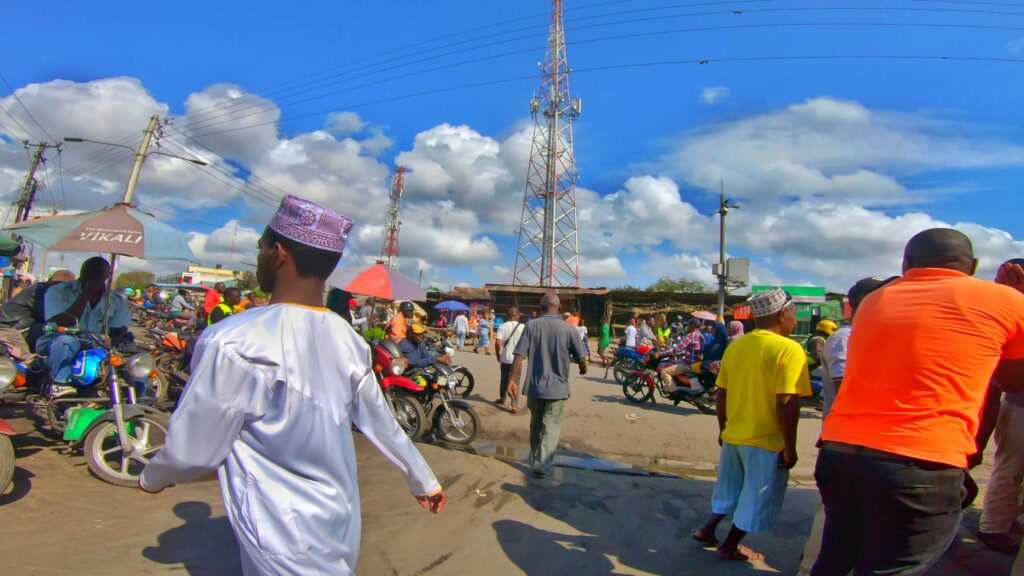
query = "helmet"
x=827 y=326
x=406 y=306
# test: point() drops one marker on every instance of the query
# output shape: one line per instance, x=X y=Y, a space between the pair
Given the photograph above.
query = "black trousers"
x=506 y=372
x=885 y=514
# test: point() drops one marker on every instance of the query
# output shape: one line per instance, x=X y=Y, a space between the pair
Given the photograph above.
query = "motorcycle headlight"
x=442 y=381
x=8 y=372
x=141 y=365
x=398 y=366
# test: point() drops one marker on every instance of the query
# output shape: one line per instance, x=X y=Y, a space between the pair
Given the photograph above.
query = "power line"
x=622 y=66
x=27 y=111
x=268 y=90
x=28 y=134
x=228 y=116
x=253 y=100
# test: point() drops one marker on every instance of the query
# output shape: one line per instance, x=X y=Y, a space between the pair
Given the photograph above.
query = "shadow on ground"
x=204 y=545
x=591 y=531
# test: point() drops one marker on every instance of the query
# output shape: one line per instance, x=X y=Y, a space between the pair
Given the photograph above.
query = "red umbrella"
x=377 y=280
x=705 y=315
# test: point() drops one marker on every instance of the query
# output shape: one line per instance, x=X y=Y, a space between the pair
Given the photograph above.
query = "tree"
x=666 y=284
x=137 y=280
x=246 y=280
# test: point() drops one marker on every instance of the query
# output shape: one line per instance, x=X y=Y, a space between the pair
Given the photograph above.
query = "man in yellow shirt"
x=761 y=378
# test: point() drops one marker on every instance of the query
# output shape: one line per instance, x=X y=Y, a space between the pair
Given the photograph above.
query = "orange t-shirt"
x=920 y=358
x=397 y=327
x=573 y=320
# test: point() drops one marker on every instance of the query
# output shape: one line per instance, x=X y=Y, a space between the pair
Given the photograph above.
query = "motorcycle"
x=697 y=390
x=463 y=378
x=117 y=440
x=626 y=362
x=453 y=420
x=8 y=374
x=388 y=367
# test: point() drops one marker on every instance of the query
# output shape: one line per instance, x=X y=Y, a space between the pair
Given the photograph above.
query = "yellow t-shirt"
x=754 y=370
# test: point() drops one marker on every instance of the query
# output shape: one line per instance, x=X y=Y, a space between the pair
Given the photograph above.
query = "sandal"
x=699 y=536
x=514 y=410
x=741 y=553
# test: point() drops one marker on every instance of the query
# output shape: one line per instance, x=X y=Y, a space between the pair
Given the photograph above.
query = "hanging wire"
x=27 y=111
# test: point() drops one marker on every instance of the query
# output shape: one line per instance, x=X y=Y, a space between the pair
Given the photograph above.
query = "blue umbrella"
x=452 y=305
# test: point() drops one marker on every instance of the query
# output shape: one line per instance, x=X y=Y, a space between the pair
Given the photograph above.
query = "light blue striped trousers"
x=750 y=486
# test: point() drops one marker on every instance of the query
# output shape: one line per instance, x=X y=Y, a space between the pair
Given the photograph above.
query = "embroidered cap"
x=311 y=224
x=769 y=302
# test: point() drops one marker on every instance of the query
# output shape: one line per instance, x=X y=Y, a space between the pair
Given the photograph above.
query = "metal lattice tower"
x=389 y=251
x=548 y=252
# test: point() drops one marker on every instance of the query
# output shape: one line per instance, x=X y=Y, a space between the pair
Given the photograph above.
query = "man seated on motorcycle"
x=689 y=349
x=21 y=317
x=415 y=350
x=81 y=303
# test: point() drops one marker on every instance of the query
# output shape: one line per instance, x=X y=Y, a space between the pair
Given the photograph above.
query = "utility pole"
x=548 y=249
x=140 y=157
x=31 y=185
x=720 y=270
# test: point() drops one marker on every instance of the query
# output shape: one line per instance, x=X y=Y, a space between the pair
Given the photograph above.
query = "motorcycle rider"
x=397 y=328
x=816 y=343
x=689 y=348
x=22 y=318
x=82 y=304
x=415 y=350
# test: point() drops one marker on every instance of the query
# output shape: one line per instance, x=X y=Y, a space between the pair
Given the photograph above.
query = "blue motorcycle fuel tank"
x=86 y=368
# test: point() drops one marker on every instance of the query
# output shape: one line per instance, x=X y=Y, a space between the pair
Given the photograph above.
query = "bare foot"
x=704 y=538
x=741 y=553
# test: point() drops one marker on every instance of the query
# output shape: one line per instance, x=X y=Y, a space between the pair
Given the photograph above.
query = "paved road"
x=498 y=522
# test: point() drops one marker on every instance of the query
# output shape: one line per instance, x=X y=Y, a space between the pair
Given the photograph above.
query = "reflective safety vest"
x=223 y=308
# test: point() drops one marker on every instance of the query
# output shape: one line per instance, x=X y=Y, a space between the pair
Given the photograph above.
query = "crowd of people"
x=903 y=422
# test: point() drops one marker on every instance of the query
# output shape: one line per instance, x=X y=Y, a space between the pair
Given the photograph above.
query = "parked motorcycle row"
x=117 y=409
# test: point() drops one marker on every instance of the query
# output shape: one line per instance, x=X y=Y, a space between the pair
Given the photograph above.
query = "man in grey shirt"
x=550 y=343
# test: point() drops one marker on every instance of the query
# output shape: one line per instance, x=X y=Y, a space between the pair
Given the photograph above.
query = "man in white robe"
x=270 y=405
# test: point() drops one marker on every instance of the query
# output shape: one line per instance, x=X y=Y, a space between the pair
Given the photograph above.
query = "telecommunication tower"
x=389 y=251
x=548 y=252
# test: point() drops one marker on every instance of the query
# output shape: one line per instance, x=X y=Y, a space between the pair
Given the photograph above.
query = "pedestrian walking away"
x=550 y=343
x=504 y=348
x=461 y=326
x=895 y=445
x=759 y=382
x=272 y=400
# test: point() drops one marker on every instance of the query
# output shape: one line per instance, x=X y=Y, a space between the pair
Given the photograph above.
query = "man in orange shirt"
x=894 y=448
x=397 y=327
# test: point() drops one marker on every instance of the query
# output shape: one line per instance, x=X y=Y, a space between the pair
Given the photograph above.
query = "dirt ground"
x=498 y=521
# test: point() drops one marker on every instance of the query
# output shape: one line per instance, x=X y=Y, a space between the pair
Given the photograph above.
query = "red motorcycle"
x=697 y=389
x=401 y=392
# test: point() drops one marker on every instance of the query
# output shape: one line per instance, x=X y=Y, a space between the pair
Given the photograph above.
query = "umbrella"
x=377 y=280
x=120 y=229
x=452 y=305
x=705 y=315
x=9 y=247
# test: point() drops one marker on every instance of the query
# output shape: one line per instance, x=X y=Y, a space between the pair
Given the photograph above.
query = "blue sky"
x=836 y=161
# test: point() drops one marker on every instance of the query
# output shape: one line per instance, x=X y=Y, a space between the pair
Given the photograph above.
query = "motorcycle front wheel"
x=636 y=390
x=6 y=462
x=109 y=463
x=624 y=370
x=705 y=404
x=409 y=414
x=459 y=427
x=463 y=382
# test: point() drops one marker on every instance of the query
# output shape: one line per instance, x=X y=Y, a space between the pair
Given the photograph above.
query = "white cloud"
x=1015 y=46
x=713 y=94
x=345 y=123
x=830 y=149
x=231 y=245
x=220 y=110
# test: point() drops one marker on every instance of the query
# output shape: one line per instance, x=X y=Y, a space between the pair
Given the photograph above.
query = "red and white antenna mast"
x=389 y=252
x=548 y=251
